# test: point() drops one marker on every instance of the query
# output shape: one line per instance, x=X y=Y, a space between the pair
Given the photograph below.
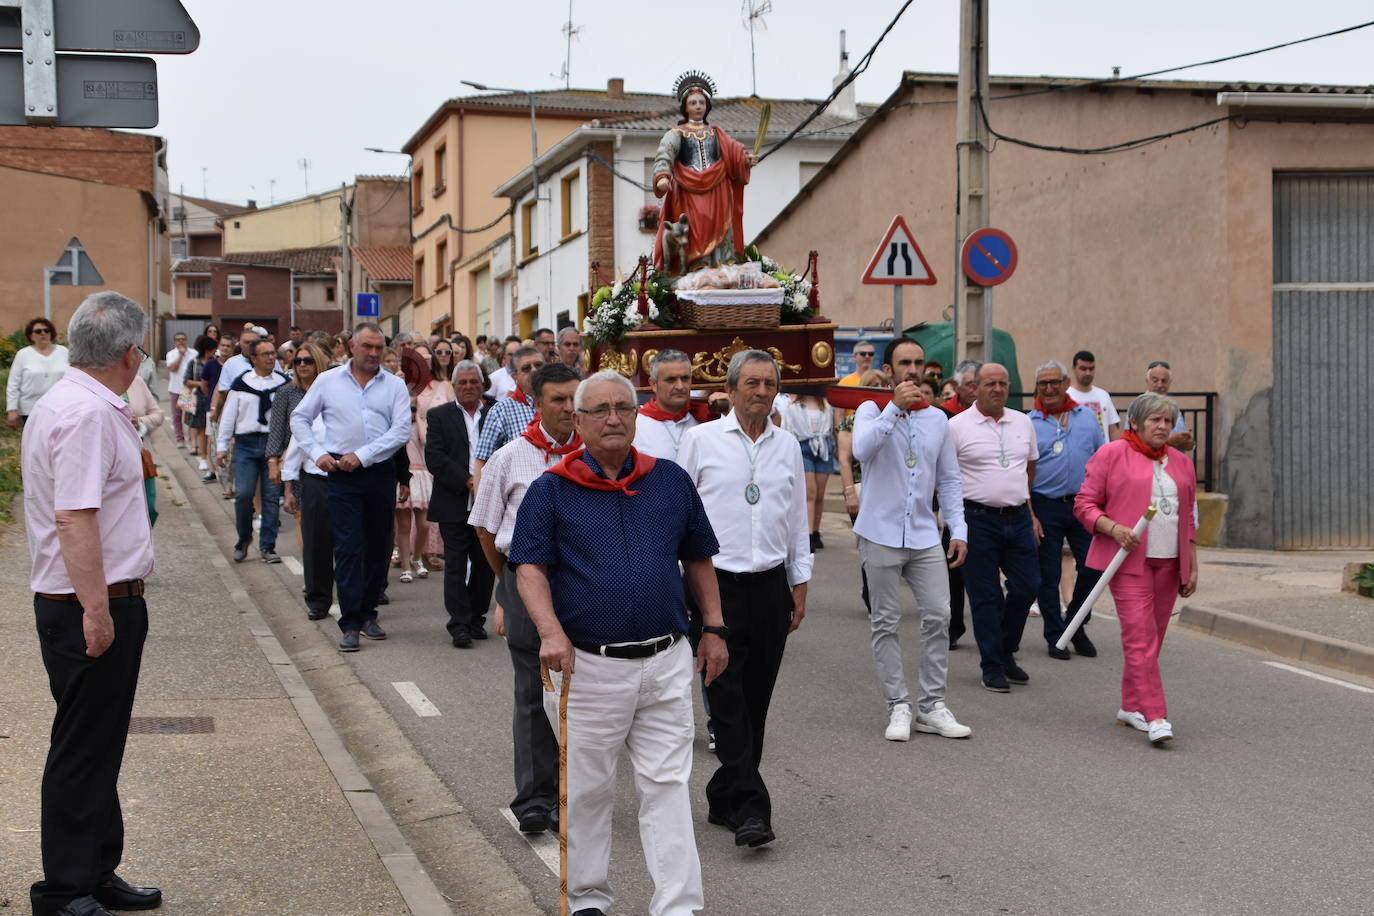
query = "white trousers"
x=644 y=706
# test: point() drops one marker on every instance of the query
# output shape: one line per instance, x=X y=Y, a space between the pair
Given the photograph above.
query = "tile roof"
x=217 y=207
x=386 y=263
x=588 y=100
x=740 y=116
x=306 y=261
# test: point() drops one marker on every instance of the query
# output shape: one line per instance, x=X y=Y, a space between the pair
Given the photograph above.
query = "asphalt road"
x=1262 y=804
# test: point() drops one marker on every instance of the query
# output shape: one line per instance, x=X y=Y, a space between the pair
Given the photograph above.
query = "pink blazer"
x=1118 y=484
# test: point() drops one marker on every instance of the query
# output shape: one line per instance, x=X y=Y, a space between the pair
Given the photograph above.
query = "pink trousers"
x=1144 y=601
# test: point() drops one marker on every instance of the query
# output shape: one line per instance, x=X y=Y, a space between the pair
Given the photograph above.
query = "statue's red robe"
x=712 y=199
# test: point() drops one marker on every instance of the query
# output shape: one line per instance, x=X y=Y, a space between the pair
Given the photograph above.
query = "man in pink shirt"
x=87 y=520
x=997 y=449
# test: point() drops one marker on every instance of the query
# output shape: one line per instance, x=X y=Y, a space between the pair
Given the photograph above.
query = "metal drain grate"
x=171 y=725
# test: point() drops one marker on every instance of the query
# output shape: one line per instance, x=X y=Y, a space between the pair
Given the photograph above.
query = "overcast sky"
x=277 y=82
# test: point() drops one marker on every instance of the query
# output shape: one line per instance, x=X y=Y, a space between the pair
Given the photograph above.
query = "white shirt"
x=1100 y=403
x=502 y=383
x=1161 y=534
x=176 y=376
x=31 y=375
x=505 y=478
x=233 y=367
x=240 y=414
x=295 y=460
x=896 y=508
x=370 y=421
x=661 y=438
x=471 y=420
x=775 y=529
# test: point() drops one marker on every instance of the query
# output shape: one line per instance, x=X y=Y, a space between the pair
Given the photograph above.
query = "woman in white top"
x=35 y=369
x=811 y=420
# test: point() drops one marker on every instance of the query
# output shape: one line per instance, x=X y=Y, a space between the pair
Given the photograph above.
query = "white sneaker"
x=899 y=723
x=202 y=465
x=1134 y=719
x=940 y=721
x=1161 y=731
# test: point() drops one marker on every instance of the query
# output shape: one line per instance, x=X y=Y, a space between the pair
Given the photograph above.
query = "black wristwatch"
x=722 y=632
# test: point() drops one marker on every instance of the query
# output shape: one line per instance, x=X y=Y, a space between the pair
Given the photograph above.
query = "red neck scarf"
x=1069 y=404
x=953 y=406
x=1137 y=443
x=700 y=411
x=574 y=468
x=535 y=433
x=519 y=395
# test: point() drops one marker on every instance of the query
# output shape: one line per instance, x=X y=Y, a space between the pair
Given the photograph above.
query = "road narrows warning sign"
x=898 y=259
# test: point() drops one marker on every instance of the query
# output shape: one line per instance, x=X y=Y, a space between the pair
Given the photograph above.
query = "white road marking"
x=545 y=845
x=1321 y=677
x=416 y=698
x=294 y=565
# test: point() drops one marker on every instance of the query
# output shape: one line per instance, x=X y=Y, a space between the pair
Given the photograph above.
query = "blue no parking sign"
x=989 y=257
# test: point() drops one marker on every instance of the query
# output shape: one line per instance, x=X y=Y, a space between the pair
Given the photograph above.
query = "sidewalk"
x=239 y=796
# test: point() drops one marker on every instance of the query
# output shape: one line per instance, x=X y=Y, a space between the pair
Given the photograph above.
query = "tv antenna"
x=570 y=32
x=305 y=169
x=753 y=12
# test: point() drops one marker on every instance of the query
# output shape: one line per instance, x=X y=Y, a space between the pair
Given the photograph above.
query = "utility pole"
x=346 y=252
x=972 y=303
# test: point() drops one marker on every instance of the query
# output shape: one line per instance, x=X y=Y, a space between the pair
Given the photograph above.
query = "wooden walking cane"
x=562 y=783
x=1101 y=585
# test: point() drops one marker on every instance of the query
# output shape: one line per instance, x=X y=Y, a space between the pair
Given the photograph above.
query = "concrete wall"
x=311 y=222
x=381 y=212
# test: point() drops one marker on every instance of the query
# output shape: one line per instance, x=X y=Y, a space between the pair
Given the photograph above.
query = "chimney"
x=252 y=204
x=844 y=105
x=615 y=88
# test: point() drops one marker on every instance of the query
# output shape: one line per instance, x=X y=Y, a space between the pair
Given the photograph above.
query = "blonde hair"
x=316 y=352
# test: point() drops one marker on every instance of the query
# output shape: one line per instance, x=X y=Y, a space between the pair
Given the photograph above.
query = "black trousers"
x=956 y=592
x=536 y=746
x=362 y=511
x=82 y=825
x=466 y=596
x=317 y=540
x=758 y=611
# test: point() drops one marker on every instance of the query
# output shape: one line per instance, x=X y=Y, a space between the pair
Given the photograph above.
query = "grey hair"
x=103 y=329
x=467 y=365
x=1052 y=364
x=566 y=332
x=666 y=356
x=1151 y=403
x=748 y=356
x=368 y=326
x=404 y=336
x=964 y=368
x=607 y=375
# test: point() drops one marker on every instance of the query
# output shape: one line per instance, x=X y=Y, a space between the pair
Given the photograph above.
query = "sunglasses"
x=303 y=361
x=41 y=331
x=868 y=353
x=443 y=352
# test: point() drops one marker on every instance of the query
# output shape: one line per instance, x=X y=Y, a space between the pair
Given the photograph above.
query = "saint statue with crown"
x=700 y=172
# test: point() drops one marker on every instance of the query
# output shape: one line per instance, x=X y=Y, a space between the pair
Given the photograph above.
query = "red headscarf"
x=1069 y=404
x=953 y=405
x=535 y=433
x=519 y=395
x=700 y=411
x=574 y=468
x=1137 y=443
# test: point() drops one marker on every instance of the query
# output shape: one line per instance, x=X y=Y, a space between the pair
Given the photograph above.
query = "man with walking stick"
x=609 y=606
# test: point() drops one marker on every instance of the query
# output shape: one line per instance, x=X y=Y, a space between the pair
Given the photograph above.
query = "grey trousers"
x=927 y=575
x=535 y=742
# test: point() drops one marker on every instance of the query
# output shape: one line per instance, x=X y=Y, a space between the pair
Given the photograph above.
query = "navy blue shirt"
x=1060 y=473
x=612 y=559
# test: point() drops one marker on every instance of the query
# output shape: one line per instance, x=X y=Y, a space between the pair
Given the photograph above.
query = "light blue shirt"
x=371 y=422
x=1061 y=473
x=234 y=366
x=895 y=501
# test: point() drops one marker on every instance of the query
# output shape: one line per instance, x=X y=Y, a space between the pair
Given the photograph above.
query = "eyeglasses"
x=1050 y=383
x=602 y=413
x=443 y=352
x=41 y=331
x=303 y=361
x=143 y=351
x=530 y=367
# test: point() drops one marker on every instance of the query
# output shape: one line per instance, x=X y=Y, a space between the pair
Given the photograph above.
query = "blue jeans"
x=997 y=544
x=250 y=467
x=362 y=511
x=1059 y=525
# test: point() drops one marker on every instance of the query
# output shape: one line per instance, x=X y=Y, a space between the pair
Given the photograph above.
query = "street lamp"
x=534 y=134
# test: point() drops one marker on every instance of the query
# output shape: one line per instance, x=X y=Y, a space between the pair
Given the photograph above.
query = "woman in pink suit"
x=1123 y=479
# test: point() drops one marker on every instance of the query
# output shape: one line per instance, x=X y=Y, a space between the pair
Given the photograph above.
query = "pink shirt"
x=81 y=451
x=980 y=443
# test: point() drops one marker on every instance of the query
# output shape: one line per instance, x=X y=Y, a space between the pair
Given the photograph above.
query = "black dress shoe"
x=589 y=911
x=317 y=613
x=753 y=832
x=1015 y=673
x=118 y=894
x=477 y=632
x=534 y=822
x=83 y=906
x=462 y=640
x=382 y=598
x=1083 y=645
x=996 y=682
x=1061 y=654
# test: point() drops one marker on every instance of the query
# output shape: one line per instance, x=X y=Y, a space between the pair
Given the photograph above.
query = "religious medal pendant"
x=751 y=493
x=1058 y=446
x=1166 y=506
x=1003 y=460
x=911 y=459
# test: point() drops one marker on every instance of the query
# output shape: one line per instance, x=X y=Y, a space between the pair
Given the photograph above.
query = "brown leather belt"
x=130 y=588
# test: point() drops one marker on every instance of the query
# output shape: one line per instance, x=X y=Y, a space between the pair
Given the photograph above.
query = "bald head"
x=993 y=385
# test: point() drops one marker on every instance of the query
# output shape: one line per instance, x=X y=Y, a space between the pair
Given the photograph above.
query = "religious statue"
x=700 y=172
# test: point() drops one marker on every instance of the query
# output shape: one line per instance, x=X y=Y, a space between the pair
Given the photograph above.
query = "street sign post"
x=898 y=262
x=369 y=305
x=42 y=86
x=988 y=257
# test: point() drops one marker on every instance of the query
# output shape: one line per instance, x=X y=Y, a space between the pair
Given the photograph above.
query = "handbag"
x=186 y=401
x=149 y=466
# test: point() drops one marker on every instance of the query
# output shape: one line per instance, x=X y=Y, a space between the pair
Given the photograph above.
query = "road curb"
x=413 y=882
x=1288 y=642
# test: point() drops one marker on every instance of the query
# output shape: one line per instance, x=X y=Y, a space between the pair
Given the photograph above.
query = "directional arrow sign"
x=369 y=305
x=898 y=260
x=128 y=26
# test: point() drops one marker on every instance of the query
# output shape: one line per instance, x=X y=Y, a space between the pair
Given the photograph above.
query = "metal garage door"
x=1323 y=402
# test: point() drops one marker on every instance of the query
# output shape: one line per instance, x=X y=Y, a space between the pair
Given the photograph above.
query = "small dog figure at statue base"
x=675 y=244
